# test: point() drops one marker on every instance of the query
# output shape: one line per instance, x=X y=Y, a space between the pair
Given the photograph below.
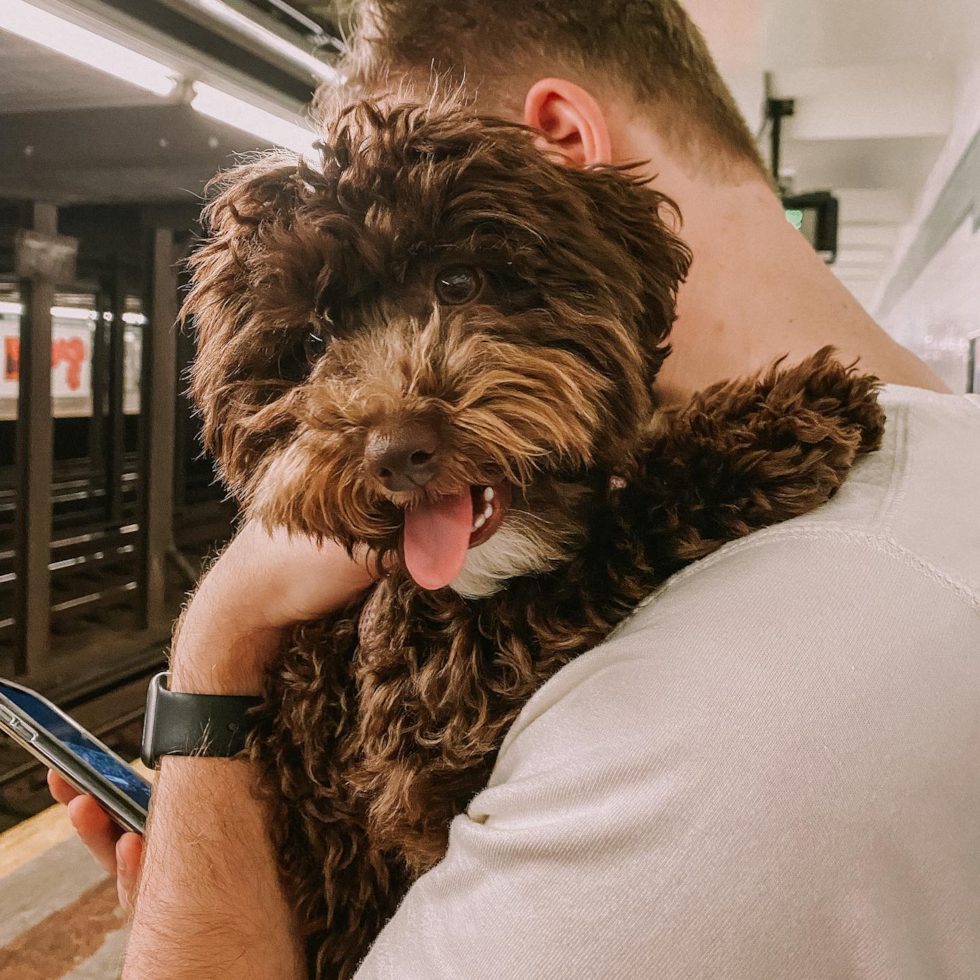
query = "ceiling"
x=34 y=79
x=148 y=154
x=875 y=84
x=72 y=134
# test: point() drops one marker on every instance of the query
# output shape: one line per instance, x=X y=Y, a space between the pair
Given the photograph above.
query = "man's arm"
x=209 y=902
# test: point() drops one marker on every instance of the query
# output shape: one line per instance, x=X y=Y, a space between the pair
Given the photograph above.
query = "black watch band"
x=210 y=725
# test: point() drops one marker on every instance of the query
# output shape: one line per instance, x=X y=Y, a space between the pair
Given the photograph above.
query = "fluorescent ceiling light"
x=311 y=25
x=251 y=119
x=85 y=46
x=233 y=18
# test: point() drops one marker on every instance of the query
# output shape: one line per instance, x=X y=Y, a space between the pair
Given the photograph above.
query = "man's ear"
x=572 y=120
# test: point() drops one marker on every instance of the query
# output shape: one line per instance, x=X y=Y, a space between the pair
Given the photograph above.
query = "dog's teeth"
x=488 y=494
x=479 y=522
x=488 y=513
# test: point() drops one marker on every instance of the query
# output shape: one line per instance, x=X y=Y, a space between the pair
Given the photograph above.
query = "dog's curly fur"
x=384 y=720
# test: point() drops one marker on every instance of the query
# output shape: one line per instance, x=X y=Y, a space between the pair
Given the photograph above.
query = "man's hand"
x=118 y=851
x=275 y=580
x=259 y=586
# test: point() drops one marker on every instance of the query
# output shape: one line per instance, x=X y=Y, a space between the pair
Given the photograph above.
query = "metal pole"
x=776 y=111
x=34 y=454
x=96 y=430
x=115 y=431
x=158 y=407
x=775 y=141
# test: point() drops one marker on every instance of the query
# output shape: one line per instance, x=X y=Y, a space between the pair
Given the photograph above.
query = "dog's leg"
x=343 y=888
x=750 y=453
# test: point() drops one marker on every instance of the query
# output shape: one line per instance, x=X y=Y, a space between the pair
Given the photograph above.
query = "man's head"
x=433 y=321
x=644 y=55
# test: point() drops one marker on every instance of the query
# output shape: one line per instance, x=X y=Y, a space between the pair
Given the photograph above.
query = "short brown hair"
x=651 y=48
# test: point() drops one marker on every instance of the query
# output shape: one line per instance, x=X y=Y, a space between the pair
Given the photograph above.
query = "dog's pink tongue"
x=436 y=538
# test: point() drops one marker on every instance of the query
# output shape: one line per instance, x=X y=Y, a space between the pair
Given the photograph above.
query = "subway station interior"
x=109 y=505
x=115 y=114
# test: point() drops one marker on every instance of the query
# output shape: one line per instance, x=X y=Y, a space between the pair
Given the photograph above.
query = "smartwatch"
x=209 y=725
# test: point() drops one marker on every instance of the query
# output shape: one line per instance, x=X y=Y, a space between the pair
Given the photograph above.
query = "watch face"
x=155 y=722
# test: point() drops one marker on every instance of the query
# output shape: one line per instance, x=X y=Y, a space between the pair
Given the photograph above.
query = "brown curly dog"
x=438 y=342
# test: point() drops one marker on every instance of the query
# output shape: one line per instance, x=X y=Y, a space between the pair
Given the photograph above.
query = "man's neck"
x=758 y=291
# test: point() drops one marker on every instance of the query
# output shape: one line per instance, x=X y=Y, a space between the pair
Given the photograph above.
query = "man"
x=770 y=770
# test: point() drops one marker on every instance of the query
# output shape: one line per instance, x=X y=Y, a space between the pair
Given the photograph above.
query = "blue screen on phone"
x=78 y=742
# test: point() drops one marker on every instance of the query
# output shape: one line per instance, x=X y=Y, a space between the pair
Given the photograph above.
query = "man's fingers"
x=97 y=831
x=118 y=852
x=129 y=854
x=60 y=789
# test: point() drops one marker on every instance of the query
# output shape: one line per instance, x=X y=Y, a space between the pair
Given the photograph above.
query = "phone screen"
x=76 y=740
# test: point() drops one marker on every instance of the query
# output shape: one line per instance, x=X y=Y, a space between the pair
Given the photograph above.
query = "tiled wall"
x=930 y=301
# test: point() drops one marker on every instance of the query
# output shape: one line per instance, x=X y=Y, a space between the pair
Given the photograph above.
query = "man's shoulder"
x=754 y=632
x=911 y=503
x=765 y=677
x=930 y=506
x=858 y=589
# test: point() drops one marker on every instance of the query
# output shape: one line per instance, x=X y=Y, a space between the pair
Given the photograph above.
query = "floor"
x=59 y=919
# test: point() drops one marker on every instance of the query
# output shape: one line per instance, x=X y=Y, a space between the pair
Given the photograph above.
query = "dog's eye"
x=316 y=344
x=458 y=284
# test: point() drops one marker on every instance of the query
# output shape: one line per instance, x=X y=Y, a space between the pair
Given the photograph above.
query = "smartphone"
x=63 y=745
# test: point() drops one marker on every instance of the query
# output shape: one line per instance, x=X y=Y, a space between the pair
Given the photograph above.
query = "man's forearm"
x=209 y=901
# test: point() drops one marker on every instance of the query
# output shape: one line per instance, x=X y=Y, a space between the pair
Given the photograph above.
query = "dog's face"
x=435 y=340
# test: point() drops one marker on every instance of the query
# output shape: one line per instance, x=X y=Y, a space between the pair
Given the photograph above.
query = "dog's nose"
x=403 y=457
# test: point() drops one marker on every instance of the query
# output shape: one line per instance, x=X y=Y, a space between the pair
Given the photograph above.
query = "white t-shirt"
x=772 y=770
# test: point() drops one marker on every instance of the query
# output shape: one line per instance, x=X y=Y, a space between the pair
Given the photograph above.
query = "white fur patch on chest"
x=522 y=546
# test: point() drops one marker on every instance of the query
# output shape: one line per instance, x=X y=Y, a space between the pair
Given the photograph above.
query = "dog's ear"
x=643 y=255
x=246 y=288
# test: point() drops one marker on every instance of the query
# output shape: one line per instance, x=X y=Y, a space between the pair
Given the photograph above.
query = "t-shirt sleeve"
x=734 y=787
